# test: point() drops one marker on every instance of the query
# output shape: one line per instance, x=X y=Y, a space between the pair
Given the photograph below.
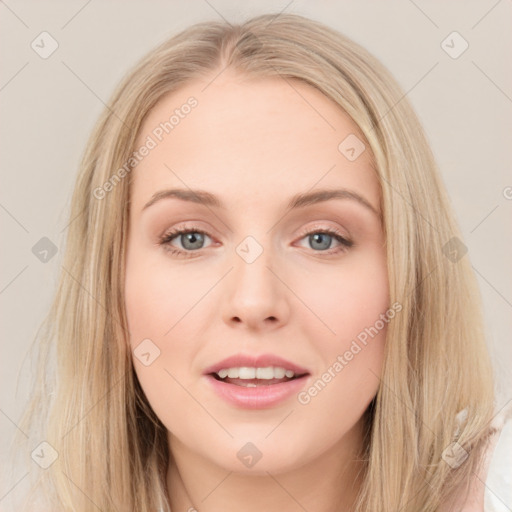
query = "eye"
x=321 y=240
x=191 y=240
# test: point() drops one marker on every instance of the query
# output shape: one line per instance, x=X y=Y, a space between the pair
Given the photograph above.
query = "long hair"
x=112 y=449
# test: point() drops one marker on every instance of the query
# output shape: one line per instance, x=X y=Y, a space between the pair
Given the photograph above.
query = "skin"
x=254 y=144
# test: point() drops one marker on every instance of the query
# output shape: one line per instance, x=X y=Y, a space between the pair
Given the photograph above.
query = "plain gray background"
x=48 y=108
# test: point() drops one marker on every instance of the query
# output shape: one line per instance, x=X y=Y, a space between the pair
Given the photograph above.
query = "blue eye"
x=193 y=239
x=321 y=239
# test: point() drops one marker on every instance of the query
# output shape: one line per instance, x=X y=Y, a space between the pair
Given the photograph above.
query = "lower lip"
x=259 y=397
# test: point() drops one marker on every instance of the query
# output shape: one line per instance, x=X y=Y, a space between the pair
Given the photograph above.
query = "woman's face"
x=259 y=276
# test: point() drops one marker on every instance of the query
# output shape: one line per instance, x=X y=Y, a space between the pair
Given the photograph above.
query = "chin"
x=259 y=458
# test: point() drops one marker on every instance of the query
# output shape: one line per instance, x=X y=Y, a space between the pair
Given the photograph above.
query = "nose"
x=256 y=296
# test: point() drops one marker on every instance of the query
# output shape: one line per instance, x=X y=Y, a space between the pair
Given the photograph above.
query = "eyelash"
x=166 y=238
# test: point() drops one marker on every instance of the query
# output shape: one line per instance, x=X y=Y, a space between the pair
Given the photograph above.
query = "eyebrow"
x=298 y=201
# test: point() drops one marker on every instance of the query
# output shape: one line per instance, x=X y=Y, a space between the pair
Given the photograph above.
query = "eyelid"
x=319 y=227
x=181 y=229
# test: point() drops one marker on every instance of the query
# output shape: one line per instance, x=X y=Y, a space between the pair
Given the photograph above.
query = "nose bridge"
x=252 y=276
x=255 y=293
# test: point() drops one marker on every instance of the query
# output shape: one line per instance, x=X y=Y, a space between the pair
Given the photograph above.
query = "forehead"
x=261 y=138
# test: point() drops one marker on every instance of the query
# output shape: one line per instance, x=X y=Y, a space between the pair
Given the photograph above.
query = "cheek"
x=348 y=299
x=158 y=295
x=163 y=308
x=353 y=306
x=156 y=300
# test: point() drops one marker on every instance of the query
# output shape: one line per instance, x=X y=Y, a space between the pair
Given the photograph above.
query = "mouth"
x=252 y=377
x=256 y=382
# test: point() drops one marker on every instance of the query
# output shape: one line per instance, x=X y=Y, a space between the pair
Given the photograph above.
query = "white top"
x=498 y=491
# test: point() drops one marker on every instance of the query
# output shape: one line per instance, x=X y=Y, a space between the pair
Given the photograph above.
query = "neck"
x=329 y=483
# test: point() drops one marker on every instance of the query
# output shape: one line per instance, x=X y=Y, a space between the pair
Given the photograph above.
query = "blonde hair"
x=112 y=448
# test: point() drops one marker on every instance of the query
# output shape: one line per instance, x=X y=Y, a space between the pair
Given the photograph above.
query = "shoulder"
x=498 y=481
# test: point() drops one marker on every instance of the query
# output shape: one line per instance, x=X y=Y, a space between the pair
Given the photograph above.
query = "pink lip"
x=261 y=396
x=261 y=361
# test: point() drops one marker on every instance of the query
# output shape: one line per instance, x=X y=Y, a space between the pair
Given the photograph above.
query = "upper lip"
x=255 y=361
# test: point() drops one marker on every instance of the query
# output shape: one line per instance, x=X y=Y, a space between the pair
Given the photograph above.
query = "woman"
x=264 y=303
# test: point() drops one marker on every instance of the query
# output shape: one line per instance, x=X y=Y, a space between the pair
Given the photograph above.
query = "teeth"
x=245 y=372
x=267 y=373
x=233 y=373
x=279 y=373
